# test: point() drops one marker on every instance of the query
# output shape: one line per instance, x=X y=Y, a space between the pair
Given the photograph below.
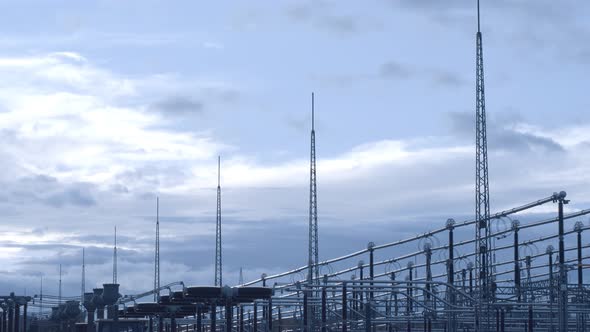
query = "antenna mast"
x=41 y=298
x=115 y=259
x=59 y=295
x=157 y=257
x=313 y=258
x=482 y=194
x=218 y=269
x=241 y=280
x=83 y=276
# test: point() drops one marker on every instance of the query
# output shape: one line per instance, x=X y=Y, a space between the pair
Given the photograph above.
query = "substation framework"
x=537 y=285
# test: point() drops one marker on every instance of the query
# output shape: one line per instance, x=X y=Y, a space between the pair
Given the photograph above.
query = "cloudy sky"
x=105 y=105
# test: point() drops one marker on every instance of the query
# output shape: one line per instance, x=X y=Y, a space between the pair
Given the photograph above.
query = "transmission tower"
x=59 y=292
x=83 y=286
x=313 y=258
x=218 y=271
x=157 y=255
x=115 y=258
x=482 y=192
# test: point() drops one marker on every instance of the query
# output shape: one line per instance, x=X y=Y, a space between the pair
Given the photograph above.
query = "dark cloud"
x=447 y=79
x=344 y=24
x=49 y=191
x=178 y=105
x=321 y=14
x=394 y=70
x=501 y=134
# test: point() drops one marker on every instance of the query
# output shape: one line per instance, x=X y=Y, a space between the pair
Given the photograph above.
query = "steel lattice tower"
x=115 y=258
x=83 y=286
x=59 y=291
x=313 y=259
x=482 y=190
x=218 y=270
x=157 y=254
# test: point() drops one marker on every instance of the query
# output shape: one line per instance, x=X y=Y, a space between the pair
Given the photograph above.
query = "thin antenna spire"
x=41 y=298
x=313 y=257
x=115 y=259
x=83 y=286
x=59 y=291
x=157 y=257
x=241 y=280
x=218 y=256
x=312 y=112
x=483 y=259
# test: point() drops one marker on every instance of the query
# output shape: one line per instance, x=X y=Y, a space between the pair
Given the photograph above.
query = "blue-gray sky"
x=105 y=105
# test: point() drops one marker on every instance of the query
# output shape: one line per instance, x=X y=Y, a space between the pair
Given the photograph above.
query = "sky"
x=106 y=105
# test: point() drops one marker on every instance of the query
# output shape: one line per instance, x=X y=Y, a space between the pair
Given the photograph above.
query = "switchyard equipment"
x=422 y=283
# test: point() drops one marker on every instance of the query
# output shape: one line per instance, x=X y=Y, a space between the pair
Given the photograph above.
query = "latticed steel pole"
x=482 y=195
x=218 y=252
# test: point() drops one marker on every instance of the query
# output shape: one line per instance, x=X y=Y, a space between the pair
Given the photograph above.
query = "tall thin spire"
x=115 y=258
x=83 y=284
x=59 y=291
x=218 y=260
x=157 y=255
x=241 y=279
x=41 y=298
x=482 y=195
x=313 y=258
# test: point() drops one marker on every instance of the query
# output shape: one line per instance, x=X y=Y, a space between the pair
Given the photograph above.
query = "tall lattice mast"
x=313 y=258
x=218 y=270
x=482 y=194
x=59 y=291
x=115 y=258
x=157 y=255
x=83 y=285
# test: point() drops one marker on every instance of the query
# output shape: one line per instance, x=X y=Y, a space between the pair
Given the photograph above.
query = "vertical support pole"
x=269 y=315
x=324 y=309
x=344 y=309
x=160 y=324
x=361 y=277
x=16 y=317
x=241 y=318
x=228 y=317
x=10 y=317
x=395 y=308
x=172 y=324
x=451 y=274
x=25 y=317
x=305 y=313
x=370 y=246
x=368 y=318
x=578 y=229
x=517 y=285
x=199 y=318
x=563 y=323
x=279 y=319
x=255 y=329
x=213 y=318
x=549 y=252
x=502 y=320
